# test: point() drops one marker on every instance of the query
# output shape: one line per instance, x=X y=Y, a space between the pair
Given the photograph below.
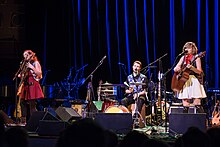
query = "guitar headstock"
x=160 y=76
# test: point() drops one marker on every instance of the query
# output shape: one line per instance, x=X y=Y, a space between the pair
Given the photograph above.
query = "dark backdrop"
x=70 y=34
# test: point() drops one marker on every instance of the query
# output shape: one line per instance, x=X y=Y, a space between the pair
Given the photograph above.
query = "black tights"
x=128 y=101
x=28 y=107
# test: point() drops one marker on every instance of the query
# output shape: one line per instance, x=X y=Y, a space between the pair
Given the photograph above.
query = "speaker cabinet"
x=67 y=114
x=33 y=122
x=120 y=123
x=180 y=122
x=179 y=109
x=7 y=120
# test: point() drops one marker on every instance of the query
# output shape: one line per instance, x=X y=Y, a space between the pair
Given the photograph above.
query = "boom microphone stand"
x=150 y=65
x=164 y=82
x=91 y=76
x=16 y=88
x=153 y=62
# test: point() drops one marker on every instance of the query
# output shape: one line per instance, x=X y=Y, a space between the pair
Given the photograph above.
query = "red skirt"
x=31 y=90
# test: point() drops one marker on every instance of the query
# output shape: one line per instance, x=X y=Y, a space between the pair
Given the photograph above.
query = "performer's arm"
x=177 y=68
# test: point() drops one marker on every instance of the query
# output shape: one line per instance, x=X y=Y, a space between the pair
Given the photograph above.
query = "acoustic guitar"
x=216 y=115
x=180 y=78
x=17 y=112
x=160 y=112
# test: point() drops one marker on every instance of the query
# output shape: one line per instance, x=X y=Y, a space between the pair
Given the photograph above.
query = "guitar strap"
x=199 y=77
x=135 y=80
x=194 y=64
x=138 y=78
x=184 y=60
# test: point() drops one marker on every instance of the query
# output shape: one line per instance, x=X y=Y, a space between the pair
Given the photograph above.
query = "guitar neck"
x=159 y=94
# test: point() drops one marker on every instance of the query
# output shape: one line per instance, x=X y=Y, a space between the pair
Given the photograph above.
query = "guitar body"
x=179 y=79
x=216 y=119
x=18 y=111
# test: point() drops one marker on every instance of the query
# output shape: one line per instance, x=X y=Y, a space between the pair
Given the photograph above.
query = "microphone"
x=125 y=83
x=21 y=62
x=183 y=52
x=103 y=59
x=119 y=63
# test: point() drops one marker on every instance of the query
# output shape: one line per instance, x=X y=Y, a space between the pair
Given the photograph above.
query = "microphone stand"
x=163 y=78
x=146 y=67
x=44 y=77
x=153 y=62
x=124 y=69
x=125 y=73
x=99 y=64
x=91 y=76
x=16 y=89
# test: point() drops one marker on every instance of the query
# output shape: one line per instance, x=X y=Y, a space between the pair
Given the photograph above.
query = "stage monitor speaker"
x=179 y=109
x=51 y=127
x=179 y=123
x=67 y=114
x=120 y=123
x=33 y=122
x=7 y=120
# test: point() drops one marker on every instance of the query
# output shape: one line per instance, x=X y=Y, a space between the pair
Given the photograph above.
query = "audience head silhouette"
x=85 y=132
x=133 y=138
x=193 y=137
x=2 y=130
x=16 y=137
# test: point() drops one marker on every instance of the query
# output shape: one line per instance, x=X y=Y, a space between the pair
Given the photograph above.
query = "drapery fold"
x=82 y=32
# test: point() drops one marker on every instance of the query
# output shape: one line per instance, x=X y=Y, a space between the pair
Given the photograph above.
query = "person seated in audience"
x=84 y=133
x=16 y=137
x=193 y=137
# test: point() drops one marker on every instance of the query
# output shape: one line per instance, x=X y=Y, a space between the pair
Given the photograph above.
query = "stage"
x=43 y=128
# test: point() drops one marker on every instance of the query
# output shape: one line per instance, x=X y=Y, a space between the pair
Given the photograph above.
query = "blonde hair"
x=192 y=45
x=138 y=62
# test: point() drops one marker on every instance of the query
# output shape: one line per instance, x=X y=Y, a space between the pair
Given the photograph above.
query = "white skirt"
x=192 y=89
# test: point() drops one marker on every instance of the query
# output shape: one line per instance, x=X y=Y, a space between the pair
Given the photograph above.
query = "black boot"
x=199 y=109
x=185 y=109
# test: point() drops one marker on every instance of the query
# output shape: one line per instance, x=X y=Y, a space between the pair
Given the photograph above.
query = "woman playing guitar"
x=188 y=73
x=29 y=88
